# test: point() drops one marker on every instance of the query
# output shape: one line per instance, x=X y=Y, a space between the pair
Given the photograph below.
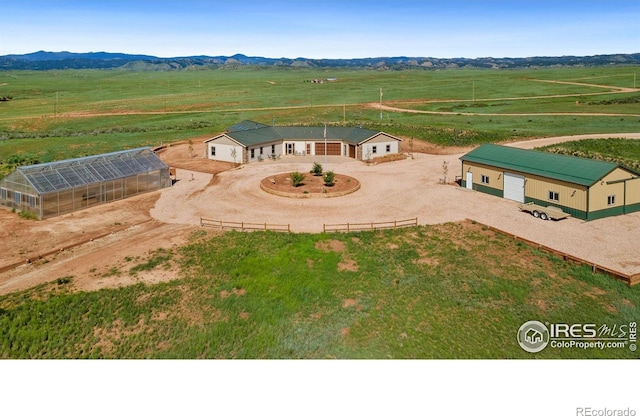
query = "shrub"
x=329 y=178
x=28 y=215
x=64 y=280
x=316 y=170
x=296 y=178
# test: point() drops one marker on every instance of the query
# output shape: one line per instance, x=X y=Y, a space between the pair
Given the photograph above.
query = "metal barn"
x=57 y=188
x=585 y=188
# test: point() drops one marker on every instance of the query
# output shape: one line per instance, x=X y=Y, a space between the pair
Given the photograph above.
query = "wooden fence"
x=244 y=226
x=368 y=226
x=630 y=280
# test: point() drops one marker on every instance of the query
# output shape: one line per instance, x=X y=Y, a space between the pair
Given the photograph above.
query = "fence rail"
x=368 y=226
x=630 y=280
x=244 y=226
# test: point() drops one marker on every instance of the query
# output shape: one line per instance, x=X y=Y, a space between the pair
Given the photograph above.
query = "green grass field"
x=91 y=111
x=621 y=151
x=447 y=291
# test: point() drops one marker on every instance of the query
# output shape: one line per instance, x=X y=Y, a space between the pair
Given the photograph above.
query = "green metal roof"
x=570 y=169
x=250 y=134
x=246 y=125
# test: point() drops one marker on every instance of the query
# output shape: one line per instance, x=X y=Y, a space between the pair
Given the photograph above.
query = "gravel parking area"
x=391 y=191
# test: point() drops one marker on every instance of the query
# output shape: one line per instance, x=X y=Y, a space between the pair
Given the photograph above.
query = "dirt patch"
x=331 y=245
x=192 y=157
x=349 y=303
x=235 y=292
x=349 y=265
x=426 y=259
x=411 y=146
x=281 y=184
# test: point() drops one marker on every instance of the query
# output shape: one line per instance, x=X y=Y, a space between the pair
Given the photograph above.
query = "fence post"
x=347 y=227
x=265 y=226
x=395 y=224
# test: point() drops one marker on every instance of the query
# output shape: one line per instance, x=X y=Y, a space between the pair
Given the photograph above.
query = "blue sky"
x=323 y=29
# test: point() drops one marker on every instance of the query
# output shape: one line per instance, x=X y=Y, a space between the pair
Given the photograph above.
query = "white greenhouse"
x=56 y=188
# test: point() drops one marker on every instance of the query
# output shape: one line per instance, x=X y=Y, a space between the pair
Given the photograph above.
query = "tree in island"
x=296 y=178
x=329 y=178
x=316 y=170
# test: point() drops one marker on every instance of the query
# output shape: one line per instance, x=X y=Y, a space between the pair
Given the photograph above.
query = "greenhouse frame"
x=50 y=189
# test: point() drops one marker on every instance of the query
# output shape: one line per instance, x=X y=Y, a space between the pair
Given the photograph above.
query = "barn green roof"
x=249 y=133
x=570 y=169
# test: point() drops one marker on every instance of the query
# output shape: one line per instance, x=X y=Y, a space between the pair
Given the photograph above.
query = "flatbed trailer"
x=546 y=213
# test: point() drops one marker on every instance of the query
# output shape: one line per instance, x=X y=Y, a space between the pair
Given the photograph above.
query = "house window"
x=213 y=150
x=484 y=179
x=261 y=151
x=554 y=196
x=3 y=193
x=388 y=148
x=611 y=200
x=253 y=153
x=374 y=149
x=17 y=197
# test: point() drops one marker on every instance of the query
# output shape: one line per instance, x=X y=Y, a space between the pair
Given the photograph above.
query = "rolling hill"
x=43 y=60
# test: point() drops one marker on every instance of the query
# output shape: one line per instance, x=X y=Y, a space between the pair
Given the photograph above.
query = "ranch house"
x=249 y=142
x=587 y=189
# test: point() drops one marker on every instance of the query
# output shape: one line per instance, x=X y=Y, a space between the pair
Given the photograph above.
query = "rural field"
x=126 y=283
x=83 y=112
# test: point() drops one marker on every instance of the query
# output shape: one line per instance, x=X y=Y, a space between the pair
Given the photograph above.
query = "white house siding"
x=224 y=147
x=383 y=144
x=267 y=148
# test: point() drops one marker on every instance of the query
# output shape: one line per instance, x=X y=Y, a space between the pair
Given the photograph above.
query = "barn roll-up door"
x=513 y=187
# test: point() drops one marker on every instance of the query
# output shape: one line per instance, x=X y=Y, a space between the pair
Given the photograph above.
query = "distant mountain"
x=102 y=60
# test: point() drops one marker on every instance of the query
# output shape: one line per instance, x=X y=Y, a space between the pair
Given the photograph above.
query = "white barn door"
x=513 y=187
x=469 y=182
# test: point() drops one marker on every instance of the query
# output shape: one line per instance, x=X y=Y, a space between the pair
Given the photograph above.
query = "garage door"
x=333 y=149
x=514 y=187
